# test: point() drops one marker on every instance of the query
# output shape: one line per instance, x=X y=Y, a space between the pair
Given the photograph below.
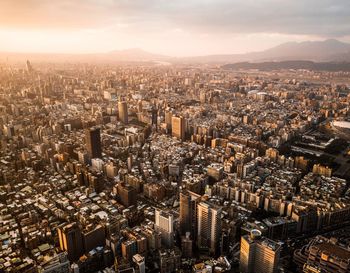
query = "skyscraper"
x=188 y=213
x=258 y=254
x=93 y=142
x=178 y=127
x=123 y=112
x=209 y=227
x=164 y=223
x=70 y=239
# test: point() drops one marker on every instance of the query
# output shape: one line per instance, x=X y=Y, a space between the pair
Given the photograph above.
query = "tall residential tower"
x=93 y=142
x=209 y=227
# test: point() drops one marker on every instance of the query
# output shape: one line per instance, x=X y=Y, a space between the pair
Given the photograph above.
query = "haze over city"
x=175 y=28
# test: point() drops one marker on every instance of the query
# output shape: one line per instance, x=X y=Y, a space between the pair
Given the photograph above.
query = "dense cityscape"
x=173 y=168
x=185 y=136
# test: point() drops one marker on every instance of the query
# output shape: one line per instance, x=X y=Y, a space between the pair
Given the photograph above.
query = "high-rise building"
x=209 y=227
x=186 y=245
x=29 y=67
x=93 y=236
x=215 y=171
x=301 y=163
x=127 y=194
x=140 y=262
x=70 y=239
x=139 y=106
x=259 y=254
x=240 y=169
x=9 y=130
x=168 y=117
x=202 y=96
x=188 y=213
x=170 y=260
x=178 y=127
x=123 y=112
x=129 y=249
x=130 y=162
x=93 y=142
x=322 y=170
x=154 y=116
x=111 y=170
x=164 y=223
x=272 y=153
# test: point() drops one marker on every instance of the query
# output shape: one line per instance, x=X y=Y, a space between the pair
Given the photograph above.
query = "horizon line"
x=153 y=53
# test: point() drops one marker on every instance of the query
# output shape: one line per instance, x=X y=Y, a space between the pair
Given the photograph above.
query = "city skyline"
x=163 y=136
x=185 y=167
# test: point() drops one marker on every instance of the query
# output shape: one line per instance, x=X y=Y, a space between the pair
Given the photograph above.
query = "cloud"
x=175 y=27
x=311 y=17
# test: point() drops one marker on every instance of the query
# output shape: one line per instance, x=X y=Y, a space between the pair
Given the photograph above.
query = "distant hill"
x=308 y=65
x=317 y=51
x=313 y=51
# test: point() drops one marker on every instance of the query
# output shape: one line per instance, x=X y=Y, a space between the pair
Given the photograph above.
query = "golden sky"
x=177 y=28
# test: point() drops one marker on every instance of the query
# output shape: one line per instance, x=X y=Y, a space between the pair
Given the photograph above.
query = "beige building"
x=258 y=254
x=178 y=127
x=209 y=227
x=123 y=112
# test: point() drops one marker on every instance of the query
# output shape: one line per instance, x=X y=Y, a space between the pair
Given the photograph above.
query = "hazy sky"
x=172 y=27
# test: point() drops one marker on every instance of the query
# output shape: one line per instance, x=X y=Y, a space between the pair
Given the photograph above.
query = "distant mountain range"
x=308 y=65
x=321 y=51
x=317 y=51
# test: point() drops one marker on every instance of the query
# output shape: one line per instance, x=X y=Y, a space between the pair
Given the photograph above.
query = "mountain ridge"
x=330 y=50
x=317 y=51
x=290 y=65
